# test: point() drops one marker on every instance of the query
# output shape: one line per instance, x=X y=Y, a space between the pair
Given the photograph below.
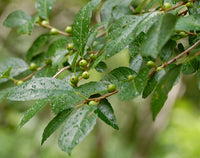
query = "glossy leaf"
x=161 y=92
x=190 y=67
x=195 y=9
x=101 y=67
x=105 y=113
x=55 y=123
x=44 y=8
x=168 y=50
x=37 y=44
x=158 y=35
x=39 y=88
x=76 y=128
x=136 y=63
x=17 y=18
x=35 y=108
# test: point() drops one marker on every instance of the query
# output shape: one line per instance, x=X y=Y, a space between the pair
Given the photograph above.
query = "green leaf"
x=5 y=74
x=136 y=63
x=199 y=78
x=152 y=82
x=162 y=90
x=39 y=88
x=37 y=44
x=27 y=27
x=18 y=66
x=55 y=123
x=190 y=67
x=158 y=35
x=44 y=8
x=195 y=9
x=33 y=111
x=101 y=67
x=168 y=50
x=17 y=18
x=81 y=25
x=76 y=128
x=105 y=113
x=3 y=94
x=188 y=23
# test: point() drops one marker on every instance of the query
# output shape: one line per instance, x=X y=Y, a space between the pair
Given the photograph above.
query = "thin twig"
x=61 y=70
x=183 y=13
x=59 y=31
x=174 y=7
x=101 y=35
x=32 y=74
x=186 y=52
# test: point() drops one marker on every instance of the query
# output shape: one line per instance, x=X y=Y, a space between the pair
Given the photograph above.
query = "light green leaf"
x=158 y=35
x=35 y=108
x=17 y=18
x=76 y=128
x=5 y=74
x=44 y=8
x=39 y=88
x=188 y=23
x=55 y=123
x=161 y=92
x=37 y=44
x=105 y=113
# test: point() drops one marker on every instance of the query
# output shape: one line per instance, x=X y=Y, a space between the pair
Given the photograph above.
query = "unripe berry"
x=167 y=5
x=74 y=79
x=183 y=34
x=44 y=22
x=85 y=75
x=33 y=67
x=159 y=69
x=111 y=88
x=70 y=46
x=189 y=4
x=54 y=31
x=150 y=64
x=48 y=62
x=38 y=20
x=68 y=29
x=130 y=78
x=19 y=82
x=93 y=56
x=93 y=103
x=73 y=85
x=83 y=63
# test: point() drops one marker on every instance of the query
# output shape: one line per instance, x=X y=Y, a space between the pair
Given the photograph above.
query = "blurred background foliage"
x=175 y=133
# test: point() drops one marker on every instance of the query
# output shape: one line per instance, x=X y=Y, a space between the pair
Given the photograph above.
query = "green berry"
x=44 y=22
x=189 y=4
x=111 y=88
x=93 y=103
x=48 y=62
x=183 y=34
x=74 y=79
x=85 y=74
x=38 y=20
x=83 y=63
x=150 y=64
x=159 y=69
x=130 y=78
x=167 y=5
x=68 y=29
x=93 y=56
x=19 y=82
x=70 y=46
x=54 y=31
x=33 y=67
x=73 y=85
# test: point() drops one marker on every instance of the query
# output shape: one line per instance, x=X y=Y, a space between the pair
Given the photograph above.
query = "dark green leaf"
x=188 y=23
x=136 y=63
x=44 y=8
x=39 y=88
x=161 y=92
x=76 y=128
x=190 y=67
x=55 y=123
x=17 y=18
x=105 y=113
x=158 y=35
x=101 y=67
x=195 y=9
x=199 y=78
x=37 y=44
x=33 y=111
x=168 y=50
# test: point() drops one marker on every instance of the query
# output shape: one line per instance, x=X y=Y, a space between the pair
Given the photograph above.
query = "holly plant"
x=161 y=36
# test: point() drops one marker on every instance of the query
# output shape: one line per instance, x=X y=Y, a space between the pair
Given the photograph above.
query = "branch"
x=61 y=70
x=174 y=7
x=59 y=31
